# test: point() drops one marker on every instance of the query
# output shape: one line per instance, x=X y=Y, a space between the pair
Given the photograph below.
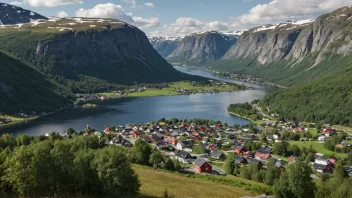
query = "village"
x=202 y=148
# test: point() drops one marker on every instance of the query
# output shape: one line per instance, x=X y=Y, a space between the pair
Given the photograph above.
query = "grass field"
x=155 y=182
x=16 y=120
x=170 y=90
x=319 y=147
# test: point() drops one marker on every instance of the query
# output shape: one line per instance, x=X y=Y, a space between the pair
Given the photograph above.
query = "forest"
x=326 y=100
x=80 y=166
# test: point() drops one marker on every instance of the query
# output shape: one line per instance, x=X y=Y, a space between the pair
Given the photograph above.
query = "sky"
x=182 y=17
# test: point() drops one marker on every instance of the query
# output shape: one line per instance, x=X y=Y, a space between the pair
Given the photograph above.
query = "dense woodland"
x=79 y=166
x=23 y=88
x=327 y=100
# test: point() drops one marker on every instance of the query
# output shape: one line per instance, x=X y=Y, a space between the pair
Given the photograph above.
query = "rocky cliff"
x=164 y=45
x=294 y=51
x=73 y=49
x=202 y=48
x=10 y=14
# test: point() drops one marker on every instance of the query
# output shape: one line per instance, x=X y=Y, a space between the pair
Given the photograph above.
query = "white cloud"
x=16 y=3
x=51 y=3
x=151 y=22
x=281 y=10
x=184 y=26
x=149 y=5
x=62 y=14
x=108 y=10
x=113 y=11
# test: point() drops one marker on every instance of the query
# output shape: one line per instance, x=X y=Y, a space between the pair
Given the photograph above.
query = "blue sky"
x=182 y=17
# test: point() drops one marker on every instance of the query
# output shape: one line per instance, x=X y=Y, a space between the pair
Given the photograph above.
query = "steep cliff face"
x=164 y=45
x=202 y=48
x=10 y=14
x=75 y=48
x=267 y=43
x=295 y=51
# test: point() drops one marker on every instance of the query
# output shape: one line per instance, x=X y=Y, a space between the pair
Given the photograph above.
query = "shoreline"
x=235 y=114
x=212 y=72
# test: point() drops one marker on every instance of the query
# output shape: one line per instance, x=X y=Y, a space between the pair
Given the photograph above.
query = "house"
x=240 y=150
x=218 y=155
x=321 y=168
x=136 y=134
x=332 y=161
x=155 y=137
x=202 y=166
x=108 y=130
x=322 y=138
x=256 y=162
x=348 y=170
x=322 y=161
x=262 y=154
x=183 y=156
x=292 y=158
x=182 y=145
x=249 y=154
x=240 y=160
x=171 y=140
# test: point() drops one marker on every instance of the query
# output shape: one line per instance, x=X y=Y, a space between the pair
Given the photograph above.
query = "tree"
x=114 y=170
x=156 y=158
x=141 y=152
x=272 y=172
x=23 y=139
x=169 y=164
x=295 y=182
x=229 y=163
x=339 y=171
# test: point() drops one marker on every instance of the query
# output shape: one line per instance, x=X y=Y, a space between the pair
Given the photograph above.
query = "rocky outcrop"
x=202 y=48
x=105 y=49
x=294 y=40
x=164 y=45
x=10 y=14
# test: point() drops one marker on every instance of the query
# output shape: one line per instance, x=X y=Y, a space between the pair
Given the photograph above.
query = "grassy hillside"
x=23 y=88
x=155 y=182
x=328 y=99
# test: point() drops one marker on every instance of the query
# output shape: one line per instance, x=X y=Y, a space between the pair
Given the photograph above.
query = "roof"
x=263 y=151
x=185 y=143
x=252 y=160
x=182 y=154
x=199 y=162
x=239 y=159
x=348 y=169
x=239 y=147
x=216 y=153
x=319 y=166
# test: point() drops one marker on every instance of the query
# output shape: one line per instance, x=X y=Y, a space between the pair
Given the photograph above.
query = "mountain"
x=24 y=89
x=88 y=54
x=10 y=14
x=165 y=45
x=202 y=48
x=295 y=51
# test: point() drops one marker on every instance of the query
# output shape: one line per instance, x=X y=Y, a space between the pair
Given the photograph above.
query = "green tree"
x=272 y=172
x=141 y=152
x=114 y=170
x=156 y=158
x=229 y=163
x=23 y=139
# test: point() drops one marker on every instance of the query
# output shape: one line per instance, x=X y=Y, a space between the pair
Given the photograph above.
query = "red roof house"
x=202 y=166
x=240 y=150
x=261 y=154
x=108 y=130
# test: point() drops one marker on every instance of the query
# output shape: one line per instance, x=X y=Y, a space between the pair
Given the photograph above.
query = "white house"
x=322 y=161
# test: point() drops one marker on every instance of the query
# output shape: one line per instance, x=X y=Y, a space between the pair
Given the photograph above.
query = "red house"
x=240 y=150
x=293 y=158
x=202 y=166
x=262 y=155
x=202 y=128
x=171 y=140
x=135 y=134
x=108 y=130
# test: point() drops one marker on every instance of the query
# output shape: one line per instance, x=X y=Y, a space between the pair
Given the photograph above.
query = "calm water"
x=142 y=110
